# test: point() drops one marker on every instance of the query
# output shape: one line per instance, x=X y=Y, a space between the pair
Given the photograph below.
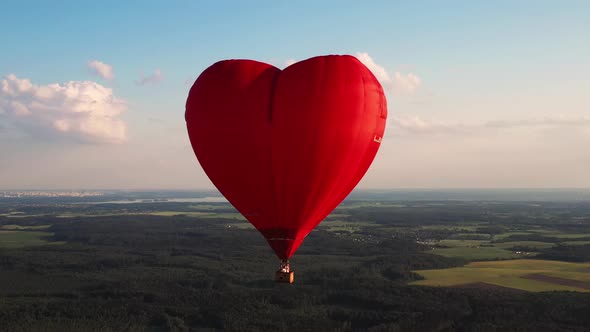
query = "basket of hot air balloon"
x=285 y=147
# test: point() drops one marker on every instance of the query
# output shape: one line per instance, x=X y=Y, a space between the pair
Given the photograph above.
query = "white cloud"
x=379 y=72
x=398 y=83
x=549 y=121
x=281 y=63
x=154 y=78
x=101 y=69
x=413 y=124
x=405 y=83
x=82 y=110
x=289 y=62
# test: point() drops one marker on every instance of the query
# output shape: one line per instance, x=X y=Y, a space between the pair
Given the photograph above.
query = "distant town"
x=17 y=194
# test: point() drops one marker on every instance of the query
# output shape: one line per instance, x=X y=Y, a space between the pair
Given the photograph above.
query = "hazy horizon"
x=557 y=189
x=398 y=194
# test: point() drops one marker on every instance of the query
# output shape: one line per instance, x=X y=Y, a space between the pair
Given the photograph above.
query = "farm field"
x=20 y=239
x=472 y=243
x=476 y=253
x=523 y=274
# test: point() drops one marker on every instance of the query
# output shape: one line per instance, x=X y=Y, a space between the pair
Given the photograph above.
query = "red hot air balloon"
x=285 y=147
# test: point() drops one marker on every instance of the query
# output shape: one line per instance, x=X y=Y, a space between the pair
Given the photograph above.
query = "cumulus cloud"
x=377 y=70
x=397 y=83
x=153 y=78
x=289 y=62
x=405 y=83
x=101 y=69
x=82 y=110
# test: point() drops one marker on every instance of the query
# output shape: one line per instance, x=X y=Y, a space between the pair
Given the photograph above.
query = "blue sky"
x=481 y=94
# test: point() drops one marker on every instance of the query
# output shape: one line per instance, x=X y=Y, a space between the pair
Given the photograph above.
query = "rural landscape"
x=252 y=166
x=382 y=261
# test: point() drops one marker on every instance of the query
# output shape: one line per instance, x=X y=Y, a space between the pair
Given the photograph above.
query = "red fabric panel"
x=286 y=147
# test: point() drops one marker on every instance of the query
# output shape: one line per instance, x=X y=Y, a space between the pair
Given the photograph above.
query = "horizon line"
x=356 y=189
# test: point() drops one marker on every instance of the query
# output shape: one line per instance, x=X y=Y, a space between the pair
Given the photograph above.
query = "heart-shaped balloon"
x=285 y=147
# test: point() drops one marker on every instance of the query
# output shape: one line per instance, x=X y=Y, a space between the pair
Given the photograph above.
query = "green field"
x=507 y=234
x=474 y=250
x=228 y=215
x=576 y=243
x=240 y=225
x=21 y=215
x=19 y=239
x=21 y=228
x=475 y=253
x=471 y=227
x=531 y=244
x=568 y=236
x=523 y=274
x=468 y=242
x=461 y=243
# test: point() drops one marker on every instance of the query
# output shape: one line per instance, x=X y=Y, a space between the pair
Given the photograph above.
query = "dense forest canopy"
x=180 y=266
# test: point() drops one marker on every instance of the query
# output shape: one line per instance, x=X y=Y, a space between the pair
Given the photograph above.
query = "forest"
x=67 y=265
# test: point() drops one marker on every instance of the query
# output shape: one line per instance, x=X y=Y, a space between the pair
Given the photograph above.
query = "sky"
x=481 y=94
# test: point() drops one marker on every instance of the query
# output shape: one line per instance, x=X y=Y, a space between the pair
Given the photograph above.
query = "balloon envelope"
x=285 y=147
